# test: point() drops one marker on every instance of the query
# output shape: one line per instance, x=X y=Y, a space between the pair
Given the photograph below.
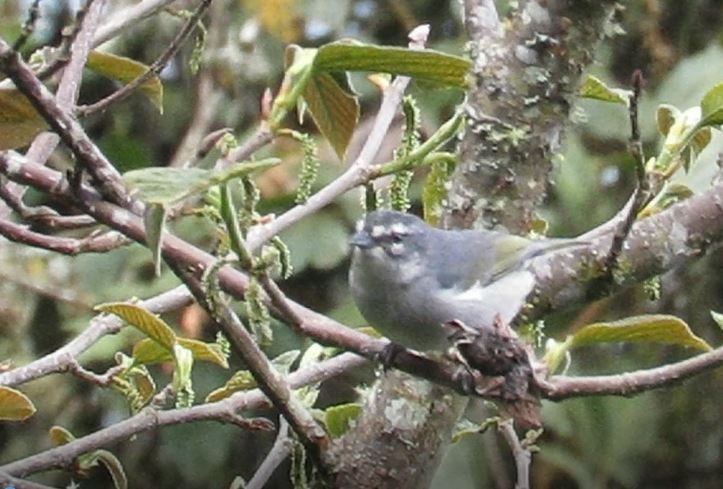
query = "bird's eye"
x=396 y=238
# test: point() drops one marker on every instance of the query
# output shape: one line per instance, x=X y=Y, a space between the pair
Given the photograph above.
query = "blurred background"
x=663 y=439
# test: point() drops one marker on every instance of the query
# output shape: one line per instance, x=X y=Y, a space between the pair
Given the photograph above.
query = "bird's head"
x=391 y=235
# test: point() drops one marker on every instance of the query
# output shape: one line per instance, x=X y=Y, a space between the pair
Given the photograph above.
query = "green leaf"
x=334 y=110
x=718 y=318
x=154 y=218
x=19 y=122
x=425 y=65
x=165 y=186
x=339 y=418
x=14 y=405
x=594 y=88
x=147 y=352
x=143 y=320
x=125 y=70
x=711 y=106
x=59 y=436
x=646 y=329
x=239 y=381
x=283 y=362
x=700 y=140
x=665 y=117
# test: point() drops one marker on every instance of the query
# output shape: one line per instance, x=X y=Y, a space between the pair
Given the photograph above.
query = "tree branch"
x=154 y=69
x=69 y=130
x=61 y=359
x=224 y=411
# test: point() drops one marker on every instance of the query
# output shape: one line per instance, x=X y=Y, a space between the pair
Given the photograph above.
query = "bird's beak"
x=362 y=240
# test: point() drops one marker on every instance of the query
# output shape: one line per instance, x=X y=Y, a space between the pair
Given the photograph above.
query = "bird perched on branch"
x=408 y=278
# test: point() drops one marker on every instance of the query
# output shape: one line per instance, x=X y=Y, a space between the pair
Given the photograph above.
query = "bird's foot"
x=389 y=353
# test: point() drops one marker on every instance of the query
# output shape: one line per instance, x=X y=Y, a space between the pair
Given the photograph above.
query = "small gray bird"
x=408 y=278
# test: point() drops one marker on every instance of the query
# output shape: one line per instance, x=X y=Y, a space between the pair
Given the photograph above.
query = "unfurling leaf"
x=14 y=405
x=654 y=328
x=182 y=384
x=594 y=88
x=19 y=122
x=111 y=464
x=143 y=320
x=125 y=70
x=338 y=419
x=154 y=219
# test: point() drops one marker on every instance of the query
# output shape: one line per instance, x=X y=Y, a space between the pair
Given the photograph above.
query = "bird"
x=408 y=279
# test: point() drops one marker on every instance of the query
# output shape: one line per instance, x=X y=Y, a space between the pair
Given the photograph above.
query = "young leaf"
x=595 y=89
x=19 y=122
x=647 y=329
x=283 y=362
x=339 y=418
x=239 y=381
x=59 y=436
x=165 y=186
x=425 y=65
x=334 y=110
x=182 y=376
x=665 y=117
x=711 y=106
x=147 y=322
x=125 y=70
x=14 y=405
x=154 y=219
x=147 y=352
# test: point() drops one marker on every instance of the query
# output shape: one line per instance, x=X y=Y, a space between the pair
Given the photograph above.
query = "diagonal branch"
x=154 y=69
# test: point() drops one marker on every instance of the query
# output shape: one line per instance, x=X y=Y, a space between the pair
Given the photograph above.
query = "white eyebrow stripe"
x=378 y=231
x=399 y=228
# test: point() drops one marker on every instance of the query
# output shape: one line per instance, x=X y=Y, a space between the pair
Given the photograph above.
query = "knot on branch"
x=498 y=366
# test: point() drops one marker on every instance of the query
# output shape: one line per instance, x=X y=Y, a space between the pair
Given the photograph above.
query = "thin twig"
x=280 y=450
x=28 y=26
x=224 y=411
x=68 y=128
x=154 y=69
x=75 y=47
x=521 y=454
x=260 y=138
x=44 y=216
x=102 y=325
x=102 y=380
x=9 y=481
x=93 y=243
x=640 y=194
x=628 y=384
x=126 y=17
